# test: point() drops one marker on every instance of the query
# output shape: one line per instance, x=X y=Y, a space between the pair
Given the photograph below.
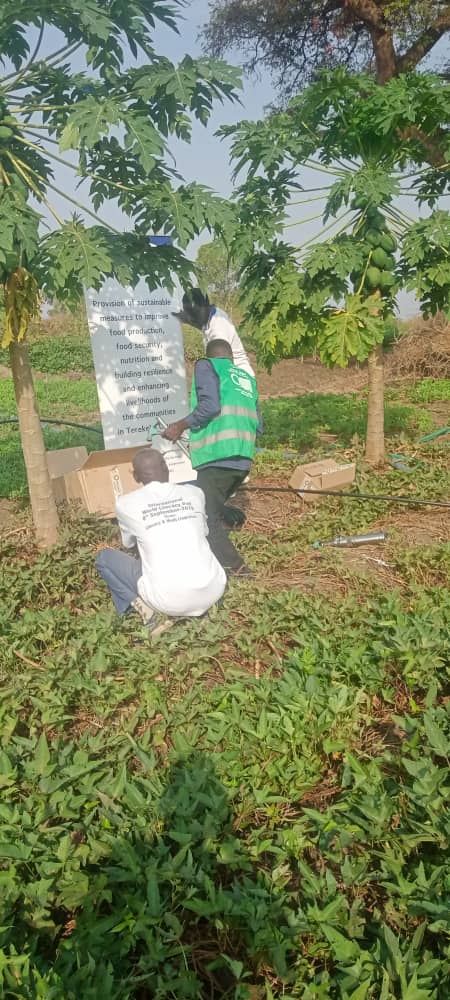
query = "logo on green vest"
x=242 y=382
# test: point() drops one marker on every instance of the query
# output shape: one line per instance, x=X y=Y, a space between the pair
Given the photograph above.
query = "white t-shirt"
x=220 y=327
x=180 y=574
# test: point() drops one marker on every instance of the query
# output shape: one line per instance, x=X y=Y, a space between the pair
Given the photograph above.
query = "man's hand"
x=174 y=431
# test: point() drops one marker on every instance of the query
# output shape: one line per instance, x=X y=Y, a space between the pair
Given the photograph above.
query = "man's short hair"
x=219 y=349
x=149 y=466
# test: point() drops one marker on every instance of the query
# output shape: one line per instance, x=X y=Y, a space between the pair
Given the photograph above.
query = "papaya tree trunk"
x=386 y=69
x=45 y=514
x=375 y=409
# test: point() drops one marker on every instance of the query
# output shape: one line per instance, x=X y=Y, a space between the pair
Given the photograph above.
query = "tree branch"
x=435 y=153
x=423 y=45
x=366 y=11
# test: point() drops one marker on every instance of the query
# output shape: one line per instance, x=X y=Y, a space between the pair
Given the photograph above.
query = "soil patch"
x=270 y=512
x=13 y=514
x=425 y=527
x=294 y=377
x=311 y=571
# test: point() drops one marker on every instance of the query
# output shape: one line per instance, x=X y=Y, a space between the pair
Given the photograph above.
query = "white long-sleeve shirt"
x=167 y=522
x=220 y=327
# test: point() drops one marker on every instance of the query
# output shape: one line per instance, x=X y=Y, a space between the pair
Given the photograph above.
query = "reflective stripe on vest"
x=237 y=411
x=222 y=436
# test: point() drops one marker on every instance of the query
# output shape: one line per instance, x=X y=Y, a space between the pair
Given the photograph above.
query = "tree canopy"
x=294 y=39
x=110 y=125
x=334 y=294
x=217 y=273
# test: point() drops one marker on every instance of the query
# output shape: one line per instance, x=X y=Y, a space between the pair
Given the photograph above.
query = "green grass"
x=66 y=353
x=193 y=343
x=60 y=343
x=13 y=480
x=430 y=390
x=57 y=397
x=293 y=423
x=253 y=807
x=297 y=422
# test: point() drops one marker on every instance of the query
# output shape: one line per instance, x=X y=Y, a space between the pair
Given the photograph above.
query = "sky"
x=206 y=158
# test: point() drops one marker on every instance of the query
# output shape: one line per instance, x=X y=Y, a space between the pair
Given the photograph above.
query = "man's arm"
x=128 y=538
x=198 y=497
x=208 y=405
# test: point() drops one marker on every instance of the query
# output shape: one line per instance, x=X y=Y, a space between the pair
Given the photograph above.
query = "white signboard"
x=139 y=365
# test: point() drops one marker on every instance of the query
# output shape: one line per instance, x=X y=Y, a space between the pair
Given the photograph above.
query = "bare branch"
x=423 y=45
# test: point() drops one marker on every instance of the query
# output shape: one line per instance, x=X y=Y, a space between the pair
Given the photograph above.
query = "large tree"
x=108 y=124
x=295 y=38
x=218 y=274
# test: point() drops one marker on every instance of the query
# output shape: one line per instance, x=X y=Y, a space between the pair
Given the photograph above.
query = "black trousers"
x=218 y=484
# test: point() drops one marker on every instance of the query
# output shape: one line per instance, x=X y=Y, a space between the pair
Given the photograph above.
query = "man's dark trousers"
x=219 y=483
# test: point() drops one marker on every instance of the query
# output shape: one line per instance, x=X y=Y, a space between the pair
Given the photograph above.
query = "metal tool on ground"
x=346 y=541
x=160 y=425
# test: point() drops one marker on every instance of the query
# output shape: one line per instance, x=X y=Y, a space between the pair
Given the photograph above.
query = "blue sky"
x=206 y=159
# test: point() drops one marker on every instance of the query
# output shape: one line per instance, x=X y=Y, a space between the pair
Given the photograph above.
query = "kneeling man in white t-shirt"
x=176 y=573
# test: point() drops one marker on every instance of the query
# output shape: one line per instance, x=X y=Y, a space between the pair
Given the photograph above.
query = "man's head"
x=219 y=349
x=149 y=467
x=196 y=308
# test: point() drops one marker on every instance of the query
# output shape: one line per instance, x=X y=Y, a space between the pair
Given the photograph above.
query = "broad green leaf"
x=436 y=737
x=42 y=755
x=17 y=851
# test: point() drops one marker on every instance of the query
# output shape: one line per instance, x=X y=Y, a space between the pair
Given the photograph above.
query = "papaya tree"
x=296 y=39
x=108 y=125
x=369 y=146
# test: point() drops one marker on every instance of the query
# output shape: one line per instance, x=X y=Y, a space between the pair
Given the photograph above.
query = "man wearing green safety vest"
x=223 y=424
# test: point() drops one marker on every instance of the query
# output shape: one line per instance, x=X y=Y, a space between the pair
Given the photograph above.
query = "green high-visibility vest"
x=233 y=432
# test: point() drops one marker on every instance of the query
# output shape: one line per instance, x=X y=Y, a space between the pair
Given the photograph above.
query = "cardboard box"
x=59 y=463
x=323 y=475
x=96 y=480
x=103 y=477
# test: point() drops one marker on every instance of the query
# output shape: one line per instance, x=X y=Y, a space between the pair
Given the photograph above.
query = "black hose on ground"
x=280 y=489
x=350 y=496
x=64 y=423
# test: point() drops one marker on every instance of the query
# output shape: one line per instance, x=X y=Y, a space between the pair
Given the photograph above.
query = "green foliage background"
x=174 y=824
x=254 y=806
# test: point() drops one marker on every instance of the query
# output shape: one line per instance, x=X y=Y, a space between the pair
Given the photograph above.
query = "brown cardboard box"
x=103 y=477
x=96 y=480
x=59 y=463
x=323 y=475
